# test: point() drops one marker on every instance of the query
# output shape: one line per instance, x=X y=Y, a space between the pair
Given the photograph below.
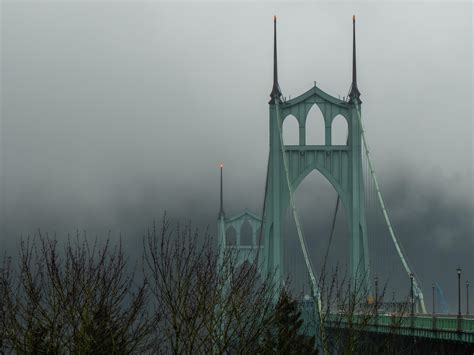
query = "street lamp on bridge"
x=412 y=296
x=376 y=280
x=467 y=298
x=459 y=291
x=394 y=306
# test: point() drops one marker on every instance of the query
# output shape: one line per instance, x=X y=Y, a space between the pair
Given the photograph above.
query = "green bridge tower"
x=288 y=165
x=341 y=165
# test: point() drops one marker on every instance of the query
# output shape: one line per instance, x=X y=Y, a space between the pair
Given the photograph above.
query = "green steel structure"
x=288 y=165
x=439 y=327
x=421 y=326
x=452 y=328
x=243 y=252
x=341 y=165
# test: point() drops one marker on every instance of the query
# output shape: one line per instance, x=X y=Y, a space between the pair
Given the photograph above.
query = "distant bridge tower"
x=241 y=251
x=341 y=165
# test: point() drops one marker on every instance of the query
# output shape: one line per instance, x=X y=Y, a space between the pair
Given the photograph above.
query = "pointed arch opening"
x=291 y=130
x=231 y=236
x=315 y=199
x=315 y=127
x=246 y=234
x=339 y=130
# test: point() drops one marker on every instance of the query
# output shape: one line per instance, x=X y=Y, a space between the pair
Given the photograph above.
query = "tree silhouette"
x=286 y=335
x=79 y=300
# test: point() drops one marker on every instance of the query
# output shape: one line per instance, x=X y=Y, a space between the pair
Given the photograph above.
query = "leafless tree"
x=79 y=299
x=83 y=299
x=204 y=302
x=349 y=312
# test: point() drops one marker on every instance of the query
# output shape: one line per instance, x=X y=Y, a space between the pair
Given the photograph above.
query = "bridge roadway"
x=439 y=327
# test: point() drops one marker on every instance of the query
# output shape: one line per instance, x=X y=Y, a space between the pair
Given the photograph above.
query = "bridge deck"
x=438 y=327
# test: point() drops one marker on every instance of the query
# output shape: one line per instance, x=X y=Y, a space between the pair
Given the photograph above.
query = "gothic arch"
x=335 y=184
x=246 y=234
x=290 y=130
x=315 y=126
x=339 y=130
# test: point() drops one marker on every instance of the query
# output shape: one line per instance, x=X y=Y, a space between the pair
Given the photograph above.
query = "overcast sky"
x=113 y=112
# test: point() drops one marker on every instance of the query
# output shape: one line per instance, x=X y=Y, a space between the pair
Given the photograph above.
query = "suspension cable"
x=331 y=234
x=264 y=206
x=309 y=267
x=333 y=225
x=387 y=219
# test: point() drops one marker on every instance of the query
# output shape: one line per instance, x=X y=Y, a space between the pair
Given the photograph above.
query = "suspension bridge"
x=350 y=170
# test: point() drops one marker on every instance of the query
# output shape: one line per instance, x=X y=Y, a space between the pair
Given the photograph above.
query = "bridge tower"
x=341 y=165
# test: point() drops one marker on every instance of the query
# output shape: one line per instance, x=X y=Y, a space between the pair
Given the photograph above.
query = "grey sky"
x=113 y=112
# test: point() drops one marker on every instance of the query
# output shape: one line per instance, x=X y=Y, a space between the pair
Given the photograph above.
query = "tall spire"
x=276 y=92
x=354 y=94
x=221 y=210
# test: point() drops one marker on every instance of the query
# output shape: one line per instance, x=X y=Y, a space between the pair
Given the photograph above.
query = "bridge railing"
x=441 y=327
x=391 y=322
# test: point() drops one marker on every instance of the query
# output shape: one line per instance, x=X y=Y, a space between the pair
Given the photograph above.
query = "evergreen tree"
x=286 y=336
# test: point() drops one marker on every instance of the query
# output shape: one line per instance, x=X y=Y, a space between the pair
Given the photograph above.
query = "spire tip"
x=354 y=93
x=276 y=92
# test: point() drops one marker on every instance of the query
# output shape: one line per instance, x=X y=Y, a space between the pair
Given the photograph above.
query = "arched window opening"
x=246 y=234
x=231 y=236
x=315 y=129
x=291 y=131
x=339 y=131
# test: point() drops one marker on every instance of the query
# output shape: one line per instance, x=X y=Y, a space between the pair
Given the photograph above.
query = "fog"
x=114 y=112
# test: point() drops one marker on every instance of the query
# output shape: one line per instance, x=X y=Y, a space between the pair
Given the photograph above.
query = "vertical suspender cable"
x=263 y=209
x=331 y=235
x=309 y=267
x=400 y=252
x=333 y=225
